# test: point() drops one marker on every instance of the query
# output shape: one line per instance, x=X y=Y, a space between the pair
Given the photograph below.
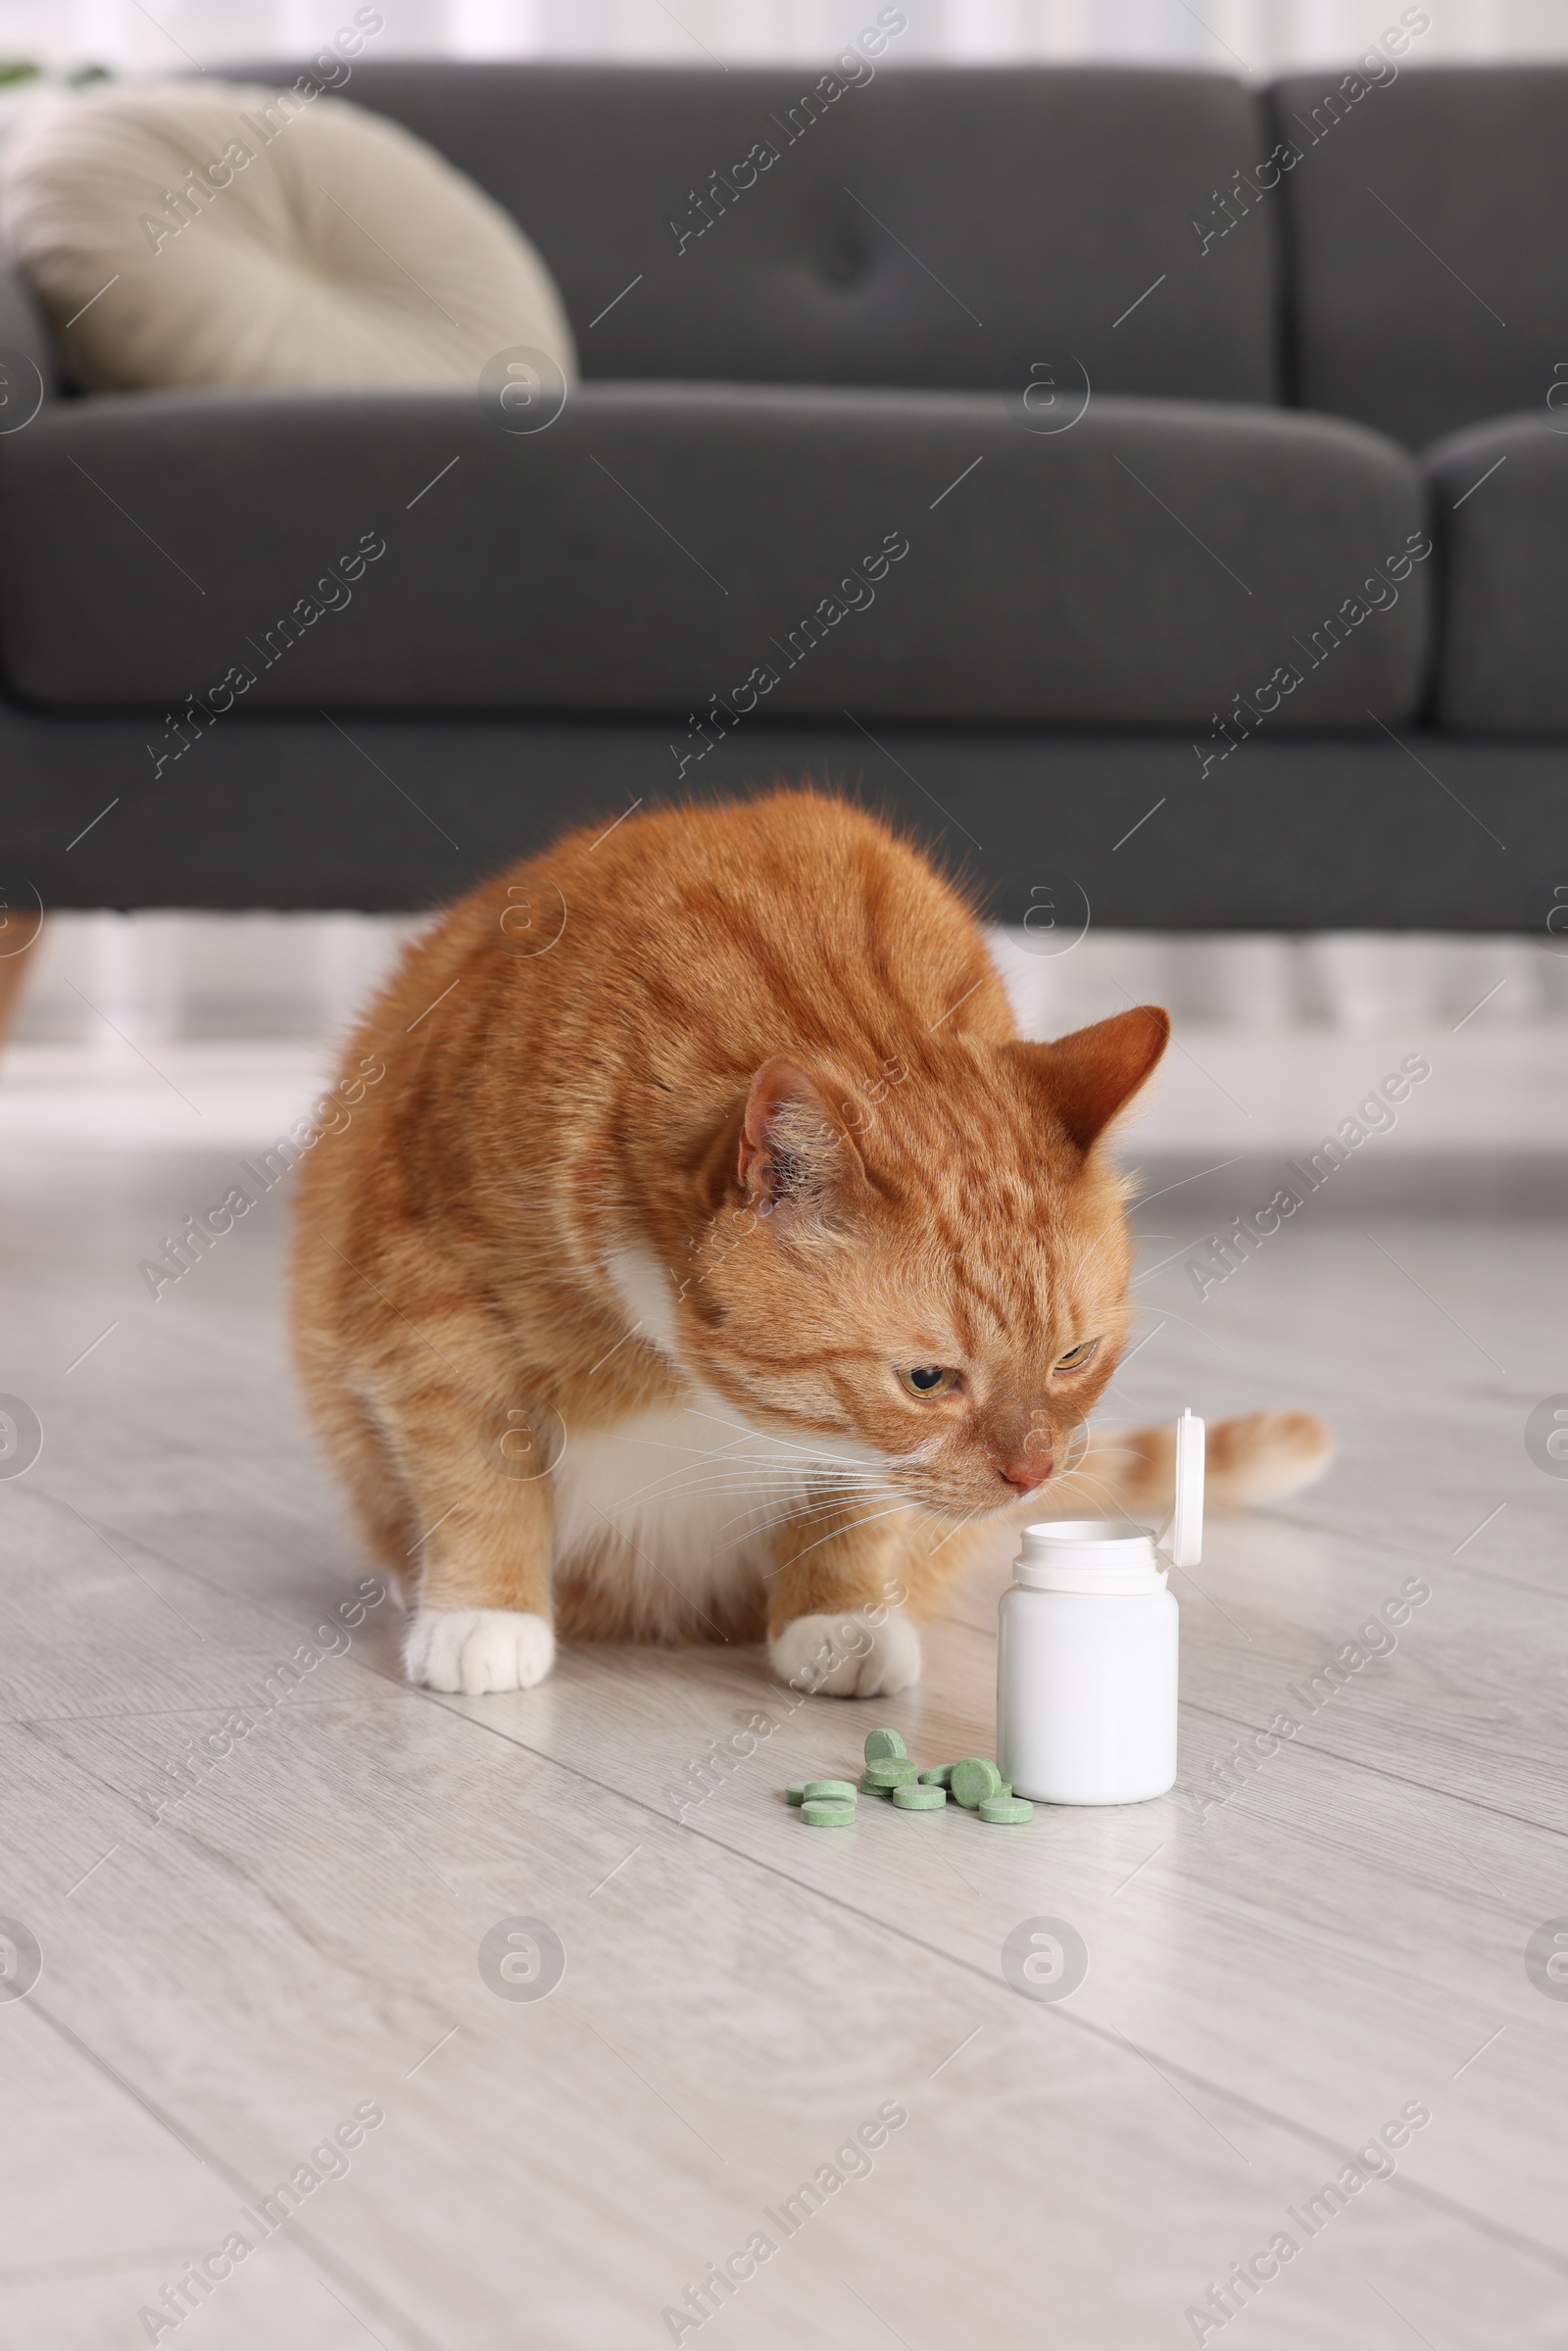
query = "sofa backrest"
x=1424 y=232
x=900 y=225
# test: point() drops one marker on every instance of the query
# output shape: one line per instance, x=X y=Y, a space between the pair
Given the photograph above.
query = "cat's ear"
x=1090 y=1075
x=796 y=1161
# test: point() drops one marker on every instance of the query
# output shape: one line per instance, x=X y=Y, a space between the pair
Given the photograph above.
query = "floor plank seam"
x=1384 y=1771
x=219 y=2165
x=1483 y=1578
x=1432 y=2197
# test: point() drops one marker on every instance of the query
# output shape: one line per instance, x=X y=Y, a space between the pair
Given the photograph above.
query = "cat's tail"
x=1261 y=1457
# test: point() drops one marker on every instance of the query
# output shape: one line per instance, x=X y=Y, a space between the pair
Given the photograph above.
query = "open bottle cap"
x=1186 y=1531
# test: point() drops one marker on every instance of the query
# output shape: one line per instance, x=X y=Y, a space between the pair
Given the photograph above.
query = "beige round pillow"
x=219 y=234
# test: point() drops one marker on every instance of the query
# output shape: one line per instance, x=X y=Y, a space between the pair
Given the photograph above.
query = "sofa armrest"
x=24 y=330
x=1500 y=497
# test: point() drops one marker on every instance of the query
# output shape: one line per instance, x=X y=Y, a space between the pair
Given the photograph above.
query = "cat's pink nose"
x=1024 y=1476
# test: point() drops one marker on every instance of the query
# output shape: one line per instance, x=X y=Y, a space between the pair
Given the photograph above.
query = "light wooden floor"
x=1265 y=1988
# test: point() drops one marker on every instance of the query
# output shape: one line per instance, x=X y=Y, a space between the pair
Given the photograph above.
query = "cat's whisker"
x=666 y=1444
x=1073 y=1435
x=766 y=1463
x=681 y=1478
x=1082 y=1475
x=1099 y=1453
x=955 y=1529
x=834 y=1533
x=696 y=1452
x=716 y=1490
x=1086 y=1479
x=805 y=1502
x=788 y=1504
x=1097 y=1488
x=803 y=1465
x=761 y=1493
x=770 y=1526
x=803 y=1510
x=770 y=1453
x=807 y=1495
x=816 y=1452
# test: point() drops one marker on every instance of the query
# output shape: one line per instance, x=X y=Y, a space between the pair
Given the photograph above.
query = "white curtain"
x=102 y=979
x=1256 y=37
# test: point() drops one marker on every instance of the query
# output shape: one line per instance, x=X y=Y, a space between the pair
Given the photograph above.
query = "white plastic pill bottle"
x=1087 y=1652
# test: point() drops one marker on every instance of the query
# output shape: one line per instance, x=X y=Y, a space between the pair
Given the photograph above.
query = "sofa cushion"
x=692 y=548
x=1425 y=271
x=28 y=367
x=871 y=223
x=1501 y=514
x=220 y=234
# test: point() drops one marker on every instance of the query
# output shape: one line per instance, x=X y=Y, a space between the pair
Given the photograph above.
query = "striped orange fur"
x=699 y=1139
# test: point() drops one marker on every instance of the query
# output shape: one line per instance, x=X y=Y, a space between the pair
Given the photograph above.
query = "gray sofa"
x=1039 y=453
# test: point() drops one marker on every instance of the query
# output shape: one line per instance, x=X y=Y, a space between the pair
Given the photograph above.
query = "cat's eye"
x=1077 y=1356
x=928 y=1378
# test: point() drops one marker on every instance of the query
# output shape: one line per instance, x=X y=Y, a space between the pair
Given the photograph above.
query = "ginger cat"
x=715 y=1258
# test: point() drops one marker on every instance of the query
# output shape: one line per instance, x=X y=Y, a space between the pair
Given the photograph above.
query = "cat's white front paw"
x=852 y=1656
x=478 y=1651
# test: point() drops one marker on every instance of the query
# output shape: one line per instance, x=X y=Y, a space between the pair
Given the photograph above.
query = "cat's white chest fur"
x=683 y=1501
x=687 y=1494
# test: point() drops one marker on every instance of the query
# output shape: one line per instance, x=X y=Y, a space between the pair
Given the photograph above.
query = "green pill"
x=974 y=1781
x=795 y=1792
x=821 y=1813
x=939 y=1775
x=1003 y=1811
x=891 y=1773
x=873 y=1788
x=831 y=1791
x=913 y=1797
x=884 y=1746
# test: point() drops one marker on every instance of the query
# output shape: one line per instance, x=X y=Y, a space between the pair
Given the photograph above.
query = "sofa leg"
x=14 y=972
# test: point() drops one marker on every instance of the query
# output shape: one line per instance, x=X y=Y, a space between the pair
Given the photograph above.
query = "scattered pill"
x=974 y=1780
x=974 y=1783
